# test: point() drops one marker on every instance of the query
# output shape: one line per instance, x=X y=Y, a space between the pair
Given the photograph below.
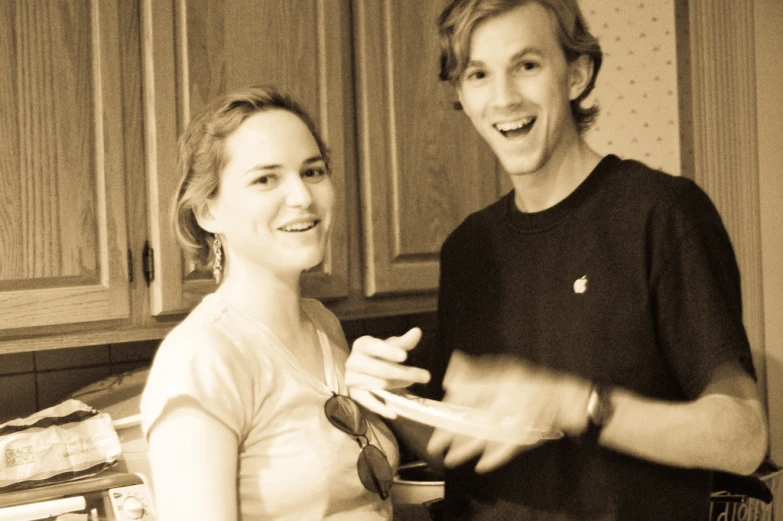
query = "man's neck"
x=555 y=181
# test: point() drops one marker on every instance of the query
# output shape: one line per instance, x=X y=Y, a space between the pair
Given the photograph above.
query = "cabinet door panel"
x=423 y=168
x=196 y=50
x=62 y=198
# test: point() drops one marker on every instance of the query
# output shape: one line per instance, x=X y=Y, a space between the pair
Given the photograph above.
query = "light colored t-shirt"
x=293 y=463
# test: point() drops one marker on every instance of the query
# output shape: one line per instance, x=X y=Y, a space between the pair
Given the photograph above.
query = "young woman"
x=246 y=409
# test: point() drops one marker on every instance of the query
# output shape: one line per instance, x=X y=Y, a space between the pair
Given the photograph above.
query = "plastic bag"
x=63 y=442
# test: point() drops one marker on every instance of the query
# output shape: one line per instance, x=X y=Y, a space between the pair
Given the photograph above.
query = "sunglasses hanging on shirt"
x=374 y=469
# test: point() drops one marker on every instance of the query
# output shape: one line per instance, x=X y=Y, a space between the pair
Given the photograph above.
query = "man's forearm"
x=716 y=431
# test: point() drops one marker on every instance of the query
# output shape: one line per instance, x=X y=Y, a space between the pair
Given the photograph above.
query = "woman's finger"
x=377 y=348
x=407 y=341
x=362 y=367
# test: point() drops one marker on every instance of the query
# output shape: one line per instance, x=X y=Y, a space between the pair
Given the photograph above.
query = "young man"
x=599 y=298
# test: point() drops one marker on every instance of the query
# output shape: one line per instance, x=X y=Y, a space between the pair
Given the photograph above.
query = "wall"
x=638 y=84
x=34 y=381
x=768 y=20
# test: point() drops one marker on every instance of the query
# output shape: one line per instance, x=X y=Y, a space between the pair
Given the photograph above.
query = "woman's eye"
x=314 y=175
x=266 y=181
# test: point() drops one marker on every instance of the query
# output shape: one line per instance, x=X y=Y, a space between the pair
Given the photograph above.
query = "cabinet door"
x=62 y=199
x=422 y=166
x=196 y=50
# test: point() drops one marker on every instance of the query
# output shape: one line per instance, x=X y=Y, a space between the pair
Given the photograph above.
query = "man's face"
x=517 y=87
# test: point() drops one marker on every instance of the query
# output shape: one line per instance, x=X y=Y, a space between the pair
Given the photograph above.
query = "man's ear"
x=459 y=105
x=206 y=218
x=580 y=72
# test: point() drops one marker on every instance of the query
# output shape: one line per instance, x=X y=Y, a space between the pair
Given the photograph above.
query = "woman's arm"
x=193 y=458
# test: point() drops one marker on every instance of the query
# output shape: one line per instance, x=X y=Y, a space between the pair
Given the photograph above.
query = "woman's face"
x=274 y=205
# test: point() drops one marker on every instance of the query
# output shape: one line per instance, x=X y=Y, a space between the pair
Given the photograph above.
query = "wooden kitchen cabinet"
x=196 y=50
x=88 y=163
x=62 y=185
x=423 y=168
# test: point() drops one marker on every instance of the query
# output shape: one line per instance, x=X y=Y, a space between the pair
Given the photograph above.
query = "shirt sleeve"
x=202 y=365
x=698 y=297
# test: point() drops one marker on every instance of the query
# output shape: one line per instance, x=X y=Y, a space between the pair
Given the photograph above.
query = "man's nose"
x=506 y=91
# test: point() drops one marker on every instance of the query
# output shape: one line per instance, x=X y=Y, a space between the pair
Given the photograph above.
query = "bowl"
x=417 y=483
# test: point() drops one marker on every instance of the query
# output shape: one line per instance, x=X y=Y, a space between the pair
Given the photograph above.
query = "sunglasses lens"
x=344 y=414
x=375 y=471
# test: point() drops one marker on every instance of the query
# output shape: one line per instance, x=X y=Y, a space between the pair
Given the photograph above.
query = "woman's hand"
x=377 y=364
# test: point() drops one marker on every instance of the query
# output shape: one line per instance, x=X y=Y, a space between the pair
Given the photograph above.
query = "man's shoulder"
x=639 y=174
x=637 y=183
x=674 y=203
x=476 y=225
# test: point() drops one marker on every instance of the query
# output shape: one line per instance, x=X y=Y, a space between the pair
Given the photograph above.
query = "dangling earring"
x=217 y=265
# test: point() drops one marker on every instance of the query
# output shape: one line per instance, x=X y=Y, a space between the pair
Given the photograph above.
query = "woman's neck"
x=273 y=300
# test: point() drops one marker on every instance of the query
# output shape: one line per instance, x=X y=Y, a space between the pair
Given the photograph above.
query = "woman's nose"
x=297 y=192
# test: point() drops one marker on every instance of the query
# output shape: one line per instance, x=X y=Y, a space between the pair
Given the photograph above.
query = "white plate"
x=464 y=420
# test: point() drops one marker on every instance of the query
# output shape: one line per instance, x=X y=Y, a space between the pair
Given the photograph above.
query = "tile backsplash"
x=35 y=381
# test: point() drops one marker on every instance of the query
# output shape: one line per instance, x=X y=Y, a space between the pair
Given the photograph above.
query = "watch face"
x=599 y=406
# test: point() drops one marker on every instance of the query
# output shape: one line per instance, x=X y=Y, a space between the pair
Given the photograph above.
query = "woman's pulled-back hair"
x=459 y=19
x=202 y=157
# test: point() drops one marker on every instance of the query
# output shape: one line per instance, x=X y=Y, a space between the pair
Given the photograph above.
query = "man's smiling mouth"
x=515 y=129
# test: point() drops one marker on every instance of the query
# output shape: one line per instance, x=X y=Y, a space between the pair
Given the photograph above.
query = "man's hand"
x=377 y=364
x=504 y=386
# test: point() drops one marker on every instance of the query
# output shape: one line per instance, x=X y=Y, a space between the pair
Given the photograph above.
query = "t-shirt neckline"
x=545 y=219
x=331 y=383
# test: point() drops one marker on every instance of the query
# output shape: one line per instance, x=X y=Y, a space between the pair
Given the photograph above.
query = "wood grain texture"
x=62 y=231
x=197 y=50
x=49 y=226
x=423 y=167
x=51 y=338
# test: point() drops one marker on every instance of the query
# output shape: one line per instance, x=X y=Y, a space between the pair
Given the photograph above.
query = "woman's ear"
x=206 y=218
x=580 y=72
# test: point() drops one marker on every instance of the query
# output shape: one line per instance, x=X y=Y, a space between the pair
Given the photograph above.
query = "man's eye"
x=528 y=66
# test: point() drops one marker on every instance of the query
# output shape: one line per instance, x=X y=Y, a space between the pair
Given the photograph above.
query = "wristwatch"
x=599 y=408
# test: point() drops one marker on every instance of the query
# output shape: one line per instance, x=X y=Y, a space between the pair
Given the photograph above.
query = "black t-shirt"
x=630 y=279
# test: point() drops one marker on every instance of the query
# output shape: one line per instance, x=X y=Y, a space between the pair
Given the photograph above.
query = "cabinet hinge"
x=130 y=266
x=148 y=262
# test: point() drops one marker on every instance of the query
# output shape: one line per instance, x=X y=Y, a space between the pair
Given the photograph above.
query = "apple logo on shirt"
x=580 y=285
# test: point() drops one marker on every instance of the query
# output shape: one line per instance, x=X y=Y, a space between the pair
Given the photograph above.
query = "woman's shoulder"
x=203 y=333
